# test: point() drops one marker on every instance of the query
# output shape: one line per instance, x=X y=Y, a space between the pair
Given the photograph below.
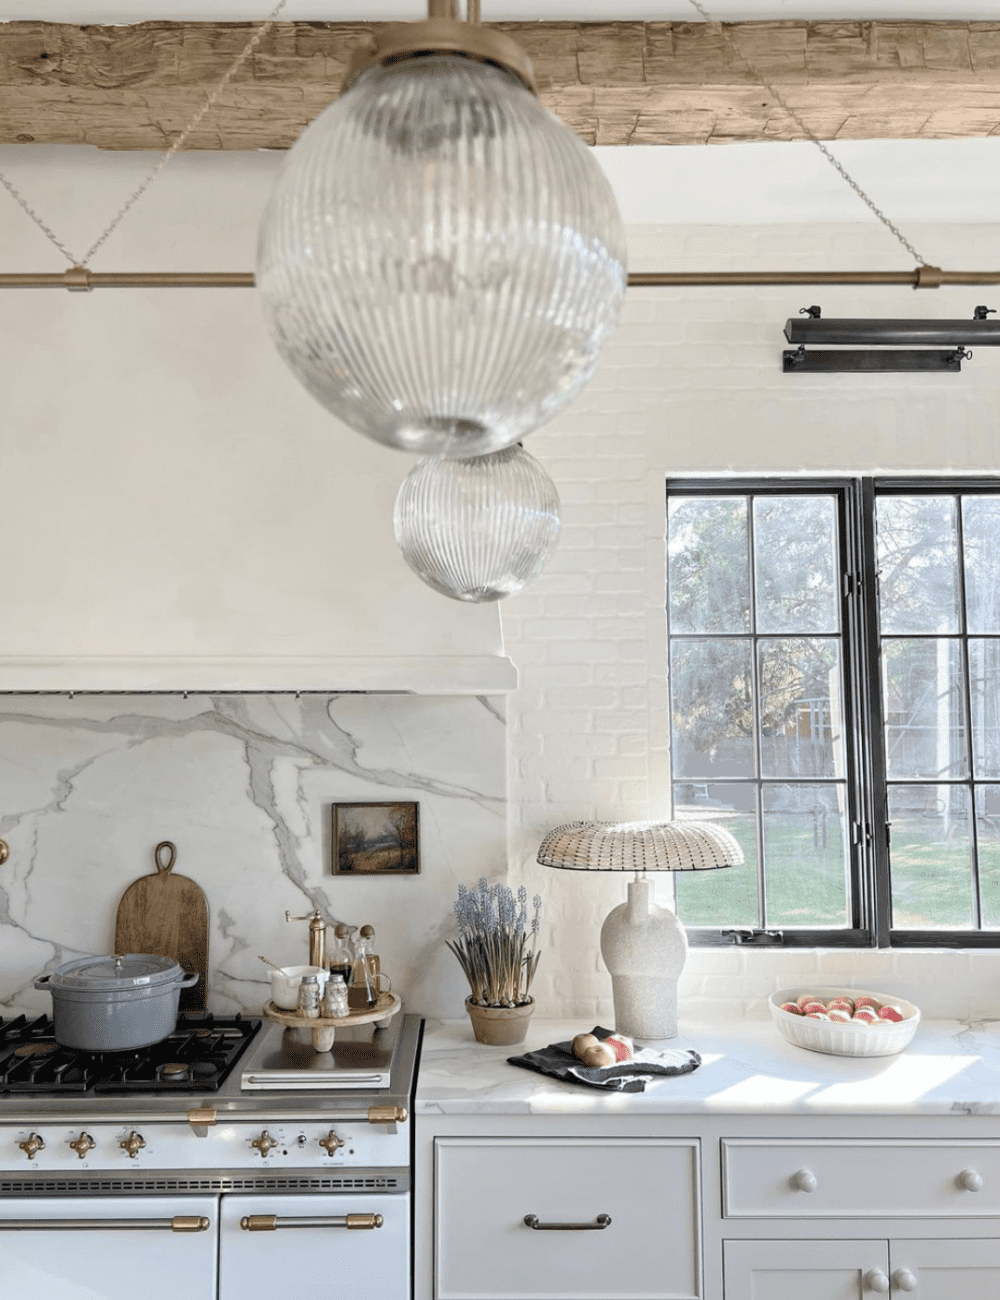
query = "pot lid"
x=133 y=970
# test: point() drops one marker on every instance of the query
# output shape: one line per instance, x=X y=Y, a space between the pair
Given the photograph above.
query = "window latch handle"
x=748 y=935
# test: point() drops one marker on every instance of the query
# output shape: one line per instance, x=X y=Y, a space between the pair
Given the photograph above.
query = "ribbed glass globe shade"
x=477 y=529
x=441 y=260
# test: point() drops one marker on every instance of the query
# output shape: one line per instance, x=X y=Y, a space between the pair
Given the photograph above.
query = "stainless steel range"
x=228 y=1162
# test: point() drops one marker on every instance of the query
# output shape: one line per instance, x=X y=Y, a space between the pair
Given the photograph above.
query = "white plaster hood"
x=178 y=513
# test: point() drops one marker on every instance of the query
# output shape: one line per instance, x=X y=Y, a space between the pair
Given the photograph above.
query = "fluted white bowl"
x=884 y=1038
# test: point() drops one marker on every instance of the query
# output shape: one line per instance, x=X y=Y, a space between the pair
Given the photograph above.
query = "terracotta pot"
x=500 y=1026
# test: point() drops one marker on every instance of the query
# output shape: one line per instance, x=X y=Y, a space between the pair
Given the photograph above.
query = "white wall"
x=691 y=384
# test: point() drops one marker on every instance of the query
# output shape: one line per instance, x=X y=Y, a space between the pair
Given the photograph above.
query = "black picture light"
x=885 y=345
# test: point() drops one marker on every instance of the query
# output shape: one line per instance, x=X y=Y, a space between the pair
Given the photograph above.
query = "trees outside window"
x=834 y=673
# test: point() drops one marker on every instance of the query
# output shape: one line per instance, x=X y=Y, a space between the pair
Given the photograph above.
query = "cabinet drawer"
x=484 y=1188
x=889 y=1179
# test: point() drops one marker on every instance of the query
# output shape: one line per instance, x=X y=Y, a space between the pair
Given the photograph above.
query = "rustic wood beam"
x=137 y=87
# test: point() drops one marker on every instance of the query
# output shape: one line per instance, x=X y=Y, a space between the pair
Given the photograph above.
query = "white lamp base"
x=644 y=946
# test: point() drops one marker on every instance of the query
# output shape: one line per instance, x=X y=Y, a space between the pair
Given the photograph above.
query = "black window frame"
x=869 y=902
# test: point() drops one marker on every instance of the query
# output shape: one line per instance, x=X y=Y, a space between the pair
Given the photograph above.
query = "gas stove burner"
x=34 y=1049
x=196 y=1056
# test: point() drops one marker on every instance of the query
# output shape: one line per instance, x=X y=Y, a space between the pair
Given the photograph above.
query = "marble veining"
x=243 y=784
x=951 y=1067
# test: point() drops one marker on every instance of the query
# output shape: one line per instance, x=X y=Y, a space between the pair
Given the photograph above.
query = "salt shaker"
x=309 y=997
x=335 y=999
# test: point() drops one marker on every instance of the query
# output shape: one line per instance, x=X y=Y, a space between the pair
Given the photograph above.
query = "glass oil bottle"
x=361 y=989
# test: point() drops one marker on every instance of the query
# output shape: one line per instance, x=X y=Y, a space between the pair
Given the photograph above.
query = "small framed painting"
x=376 y=839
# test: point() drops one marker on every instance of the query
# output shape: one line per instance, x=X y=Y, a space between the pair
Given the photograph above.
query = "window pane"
x=930 y=857
x=984 y=675
x=708 y=569
x=795 y=558
x=805 y=855
x=988 y=832
x=728 y=896
x=800 y=715
x=924 y=708
x=712 y=708
x=981 y=535
x=917 y=564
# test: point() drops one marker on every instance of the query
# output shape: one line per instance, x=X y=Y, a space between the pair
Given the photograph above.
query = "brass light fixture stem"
x=79 y=279
x=441 y=33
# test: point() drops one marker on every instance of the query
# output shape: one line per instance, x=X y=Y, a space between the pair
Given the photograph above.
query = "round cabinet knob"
x=264 y=1144
x=971 y=1180
x=83 y=1144
x=804 y=1180
x=876 y=1280
x=904 y=1280
x=133 y=1144
x=331 y=1143
x=31 y=1145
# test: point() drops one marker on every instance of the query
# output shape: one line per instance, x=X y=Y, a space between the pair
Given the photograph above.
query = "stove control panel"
x=289 y=1144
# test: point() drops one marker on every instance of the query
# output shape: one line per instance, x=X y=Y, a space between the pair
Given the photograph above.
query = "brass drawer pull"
x=602 y=1221
x=271 y=1222
x=179 y=1223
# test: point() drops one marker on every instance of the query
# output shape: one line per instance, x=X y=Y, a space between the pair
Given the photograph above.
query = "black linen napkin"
x=646 y=1065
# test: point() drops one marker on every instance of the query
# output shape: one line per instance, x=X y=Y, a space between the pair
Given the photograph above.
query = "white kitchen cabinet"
x=818 y=1178
x=525 y=1218
x=845 y=1269
x=788 y=1178
x=805 y=1270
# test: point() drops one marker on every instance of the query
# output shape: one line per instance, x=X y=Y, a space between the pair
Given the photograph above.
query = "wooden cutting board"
x=167 y=915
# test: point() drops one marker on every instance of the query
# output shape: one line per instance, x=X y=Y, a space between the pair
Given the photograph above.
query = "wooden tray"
x=324 y=1028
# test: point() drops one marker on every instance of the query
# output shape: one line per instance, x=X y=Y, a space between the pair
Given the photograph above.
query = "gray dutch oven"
x=115 y=1004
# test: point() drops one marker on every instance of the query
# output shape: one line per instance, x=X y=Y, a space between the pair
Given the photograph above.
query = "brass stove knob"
x=133 y=1144
x=331 y=1143
x=83 y=1144
x=264 y=1144
x=31 y=1145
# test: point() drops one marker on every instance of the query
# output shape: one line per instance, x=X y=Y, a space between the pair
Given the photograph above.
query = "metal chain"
x=804 y=127
x=36 y=219
x=155 y=170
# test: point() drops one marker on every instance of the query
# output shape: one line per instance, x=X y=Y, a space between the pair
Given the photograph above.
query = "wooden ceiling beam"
x=137 y=87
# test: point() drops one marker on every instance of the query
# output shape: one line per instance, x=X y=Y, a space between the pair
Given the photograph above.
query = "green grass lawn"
x=931 y=879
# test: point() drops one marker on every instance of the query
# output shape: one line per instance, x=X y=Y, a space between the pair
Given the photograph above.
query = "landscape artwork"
x=376 y=839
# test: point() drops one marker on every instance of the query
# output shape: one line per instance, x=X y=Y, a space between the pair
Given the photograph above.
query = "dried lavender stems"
x=497 y=950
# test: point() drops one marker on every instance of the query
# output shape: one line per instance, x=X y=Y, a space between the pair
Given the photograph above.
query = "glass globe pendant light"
x=442 y=259
x=477 y=529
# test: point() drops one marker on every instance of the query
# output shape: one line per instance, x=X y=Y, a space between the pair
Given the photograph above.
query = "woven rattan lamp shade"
x=639 y=846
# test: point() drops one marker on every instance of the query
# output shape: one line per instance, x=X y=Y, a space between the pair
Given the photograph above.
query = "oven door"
x=109 y=1247
x=292 y=1246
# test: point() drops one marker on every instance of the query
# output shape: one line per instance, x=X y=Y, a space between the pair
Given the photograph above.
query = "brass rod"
x=78 y=278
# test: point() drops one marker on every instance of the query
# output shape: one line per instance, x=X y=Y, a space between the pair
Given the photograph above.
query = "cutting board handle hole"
x=171 y=850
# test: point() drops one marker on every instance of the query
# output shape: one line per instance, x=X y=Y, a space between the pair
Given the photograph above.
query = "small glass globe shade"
x=477 y=529
x=442 y=259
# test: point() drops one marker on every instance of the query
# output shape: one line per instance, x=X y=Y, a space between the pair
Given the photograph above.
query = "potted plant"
x=498 y=950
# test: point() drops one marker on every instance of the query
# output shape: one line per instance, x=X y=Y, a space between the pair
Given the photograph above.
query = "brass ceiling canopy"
x=435 y=35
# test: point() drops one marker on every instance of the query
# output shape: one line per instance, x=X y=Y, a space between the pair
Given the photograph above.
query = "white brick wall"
x=692 y=384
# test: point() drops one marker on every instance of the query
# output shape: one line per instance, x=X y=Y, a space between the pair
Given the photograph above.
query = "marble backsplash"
x=243 y=785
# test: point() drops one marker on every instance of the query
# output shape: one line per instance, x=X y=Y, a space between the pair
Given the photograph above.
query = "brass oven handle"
x=271 y=1222
x=602 y=1221
x=179 y=1223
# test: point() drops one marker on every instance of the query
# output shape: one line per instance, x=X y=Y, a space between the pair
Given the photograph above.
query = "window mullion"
x=872 y=769
x=755 y=715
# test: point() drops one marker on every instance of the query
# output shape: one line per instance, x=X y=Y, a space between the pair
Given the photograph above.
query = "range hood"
x=180 y=515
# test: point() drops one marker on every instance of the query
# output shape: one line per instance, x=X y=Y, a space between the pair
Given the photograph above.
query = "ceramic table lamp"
x=643 y=945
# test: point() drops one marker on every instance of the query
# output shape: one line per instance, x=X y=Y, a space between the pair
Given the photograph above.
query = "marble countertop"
x=950 y=1067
